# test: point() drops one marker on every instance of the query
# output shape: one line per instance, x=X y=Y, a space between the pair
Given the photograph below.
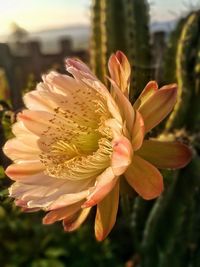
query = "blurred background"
x=162 y=41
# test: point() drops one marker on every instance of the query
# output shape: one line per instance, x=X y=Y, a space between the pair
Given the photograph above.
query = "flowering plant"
x=75 y=140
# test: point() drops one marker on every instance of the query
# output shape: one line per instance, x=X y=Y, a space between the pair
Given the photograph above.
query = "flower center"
x=79 y=145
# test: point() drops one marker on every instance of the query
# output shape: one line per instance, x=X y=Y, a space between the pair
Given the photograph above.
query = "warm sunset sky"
x=35 y=15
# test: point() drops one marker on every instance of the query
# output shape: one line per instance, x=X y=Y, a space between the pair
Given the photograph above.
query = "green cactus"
x=121 y=25
x=171 y=233
x=186 y=53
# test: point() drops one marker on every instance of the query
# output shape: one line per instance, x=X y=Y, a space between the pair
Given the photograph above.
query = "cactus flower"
x=75 y=140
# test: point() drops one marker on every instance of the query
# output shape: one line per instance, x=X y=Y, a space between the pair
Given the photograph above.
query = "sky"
x=164 y=10
x=34 y=15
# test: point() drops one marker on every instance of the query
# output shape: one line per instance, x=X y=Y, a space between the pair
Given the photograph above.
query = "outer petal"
x=120 y=71
x=24 y=135
x=23 y=205
x=145 y=179
x=104 y=184
x=158 y=106
x=35 y=100
x=79 y=65
x=43 y=191
x=49 y=101
x=62 y=213
x=24 y=169
x=16 y=150
x=58 y=83
x=68 y=199
x=72 y=224
x=126 y=109
x=122 y=155
x=150 y=89
x=165 y=154
x=138 y=131
x=106 y=214
x=37 y=122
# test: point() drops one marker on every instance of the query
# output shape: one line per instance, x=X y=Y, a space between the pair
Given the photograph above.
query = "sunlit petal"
x=120 y=71
x=150 y=89
x=138 y=131
x=106 y=214
x=104 y=184
x=71 y=224
x=158 y=106
x=122 y=155
x=165 y=155
x=145 y=179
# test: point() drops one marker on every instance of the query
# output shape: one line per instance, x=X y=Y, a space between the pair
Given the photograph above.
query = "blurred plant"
x=4 y=87
x=31 y=84
x=18 y=34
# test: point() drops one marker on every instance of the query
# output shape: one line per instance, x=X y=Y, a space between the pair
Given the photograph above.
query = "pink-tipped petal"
x=75 y=222
x=68 y=199
x=16 y=150
x=145 y=179
x=43 y=191
x=122 y=155
x=24 y=169
x=79 y=65
x=62 y=213
x=114 y=69
x=59 y=83
x=23 y=205
x=120 y=71
x=24 y=135
x=106 y=214
x=104 y=184
x=127 y=111
x=49 y=101
x=36 y=100
x=138 y=131
x=158 y=106
x=165 y=154
x=150 y=89
x=36 y=122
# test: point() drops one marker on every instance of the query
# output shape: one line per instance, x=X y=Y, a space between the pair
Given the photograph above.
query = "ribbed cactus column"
x=98 y=43
x=141 y=54
x=186 y=52
x=170 y=235
x=121 y=25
